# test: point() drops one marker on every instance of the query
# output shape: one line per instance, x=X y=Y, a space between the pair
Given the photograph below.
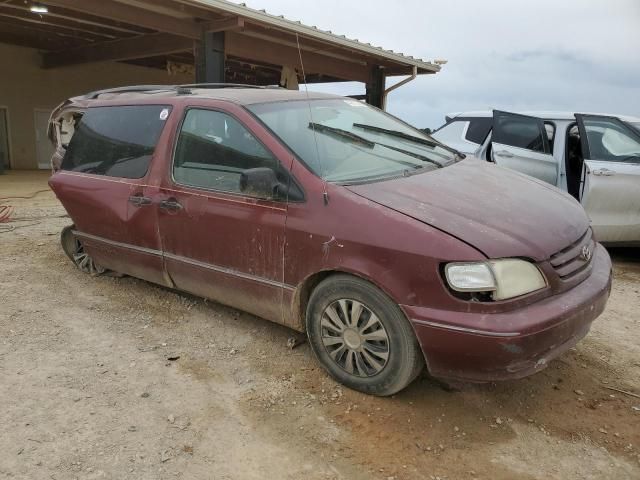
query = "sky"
x=568 y=55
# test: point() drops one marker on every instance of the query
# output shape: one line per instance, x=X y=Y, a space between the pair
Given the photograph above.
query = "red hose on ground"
x=5 y=213
x=27 y=197
x=7 y=210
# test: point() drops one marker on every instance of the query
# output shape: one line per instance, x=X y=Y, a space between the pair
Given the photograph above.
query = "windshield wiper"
x=412 y=154
x=342 y=133
x=423 y=141
x=358 y=139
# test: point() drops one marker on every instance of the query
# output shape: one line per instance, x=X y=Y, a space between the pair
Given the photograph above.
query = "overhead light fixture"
x=36 y=8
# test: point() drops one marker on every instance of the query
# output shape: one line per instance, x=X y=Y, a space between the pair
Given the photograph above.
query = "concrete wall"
x=24 y=87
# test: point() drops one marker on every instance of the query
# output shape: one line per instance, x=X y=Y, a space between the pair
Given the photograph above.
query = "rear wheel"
x=361 y=337
x=74 y=249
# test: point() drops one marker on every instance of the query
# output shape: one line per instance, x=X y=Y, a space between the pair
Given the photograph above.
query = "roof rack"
x=185 y=89
x=220 y=85
x=130 y=89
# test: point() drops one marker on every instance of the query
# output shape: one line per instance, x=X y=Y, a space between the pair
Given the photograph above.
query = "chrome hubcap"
x=355 y=338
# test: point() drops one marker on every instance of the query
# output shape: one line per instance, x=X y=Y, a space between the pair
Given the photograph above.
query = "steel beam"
x=116 y=50
x=210 y=58
x=246 y=47
x=132 y=15
x=375 y=87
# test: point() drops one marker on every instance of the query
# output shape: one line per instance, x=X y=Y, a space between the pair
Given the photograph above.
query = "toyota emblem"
x=585 y=254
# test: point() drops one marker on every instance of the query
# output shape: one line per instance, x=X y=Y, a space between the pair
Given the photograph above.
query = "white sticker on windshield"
x=164 y=114
x=355 y=103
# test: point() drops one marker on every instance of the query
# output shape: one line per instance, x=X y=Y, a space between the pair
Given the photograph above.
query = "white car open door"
x=611 y=197
x=520 y=142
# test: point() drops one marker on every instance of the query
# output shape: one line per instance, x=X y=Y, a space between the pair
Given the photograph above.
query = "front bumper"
x=500 y=346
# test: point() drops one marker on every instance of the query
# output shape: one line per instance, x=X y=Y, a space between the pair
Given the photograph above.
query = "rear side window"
x=213 y=149
x=478 y=129
x=450 y=132
x=116 y=141
x=471 y=129
x=520 y=131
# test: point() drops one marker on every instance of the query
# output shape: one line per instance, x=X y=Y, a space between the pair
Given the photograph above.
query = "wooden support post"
x=375 y=87
x=210 y=58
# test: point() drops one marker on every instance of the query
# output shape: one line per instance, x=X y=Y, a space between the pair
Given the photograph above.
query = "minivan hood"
x=500 y=212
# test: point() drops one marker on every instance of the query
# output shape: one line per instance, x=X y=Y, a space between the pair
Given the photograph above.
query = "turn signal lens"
x=516 y=277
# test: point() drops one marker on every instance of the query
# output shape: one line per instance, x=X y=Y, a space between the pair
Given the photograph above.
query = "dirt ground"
x=118 y=378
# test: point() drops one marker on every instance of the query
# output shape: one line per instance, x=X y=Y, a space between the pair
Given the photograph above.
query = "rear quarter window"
x=116 y=141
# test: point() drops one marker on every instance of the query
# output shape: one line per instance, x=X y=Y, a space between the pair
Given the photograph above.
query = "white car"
x=593 y=157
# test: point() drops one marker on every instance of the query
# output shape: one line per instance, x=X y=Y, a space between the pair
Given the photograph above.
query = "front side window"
x=520 y=131
x=213 y=150
x=610 y=140
x=116 y=141
x=346 y=141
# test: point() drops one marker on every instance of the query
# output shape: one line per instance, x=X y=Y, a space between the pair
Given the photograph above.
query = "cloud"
x=575 y=55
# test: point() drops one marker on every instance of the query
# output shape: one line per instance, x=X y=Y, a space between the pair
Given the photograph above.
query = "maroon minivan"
x=321 y=213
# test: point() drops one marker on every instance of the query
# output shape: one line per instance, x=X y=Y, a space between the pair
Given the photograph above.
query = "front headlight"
x=507 y=278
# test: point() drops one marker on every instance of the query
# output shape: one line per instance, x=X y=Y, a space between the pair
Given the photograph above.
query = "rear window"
x=450 y=132
x=471 y=129
x=479 y=129
x=116 y=141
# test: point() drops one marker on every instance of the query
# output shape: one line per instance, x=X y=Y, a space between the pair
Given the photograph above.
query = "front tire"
x=361 y=337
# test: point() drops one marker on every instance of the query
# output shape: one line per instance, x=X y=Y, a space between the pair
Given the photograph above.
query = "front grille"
x=575 y=258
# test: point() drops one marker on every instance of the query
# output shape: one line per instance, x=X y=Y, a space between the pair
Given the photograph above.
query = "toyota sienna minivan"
x=392 y=252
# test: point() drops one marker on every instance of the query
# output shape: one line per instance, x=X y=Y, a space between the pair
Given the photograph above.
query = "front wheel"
x=361 y=337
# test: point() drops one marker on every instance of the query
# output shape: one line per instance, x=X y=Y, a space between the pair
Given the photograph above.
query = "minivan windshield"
x=346 y=141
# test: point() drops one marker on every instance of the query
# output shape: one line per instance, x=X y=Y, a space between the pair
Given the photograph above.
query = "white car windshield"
x=347 y=141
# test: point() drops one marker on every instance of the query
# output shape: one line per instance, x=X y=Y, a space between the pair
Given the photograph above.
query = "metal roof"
x=165 y=34
x=298 y=27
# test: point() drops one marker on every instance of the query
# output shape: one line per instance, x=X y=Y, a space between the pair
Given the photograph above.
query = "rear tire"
x=74 y=249
x=361 y=337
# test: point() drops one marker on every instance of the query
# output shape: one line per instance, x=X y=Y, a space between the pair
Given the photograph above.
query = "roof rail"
x=186 y=89
x=180 y=89
x=219 y=85
x=130 y=89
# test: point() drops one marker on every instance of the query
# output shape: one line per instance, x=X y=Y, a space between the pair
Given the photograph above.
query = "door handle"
x=504 y=153
x=139 y=200
x=170 y=204
x=604 y=172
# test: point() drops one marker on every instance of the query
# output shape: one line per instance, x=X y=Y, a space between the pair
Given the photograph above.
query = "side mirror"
x=259 y=182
